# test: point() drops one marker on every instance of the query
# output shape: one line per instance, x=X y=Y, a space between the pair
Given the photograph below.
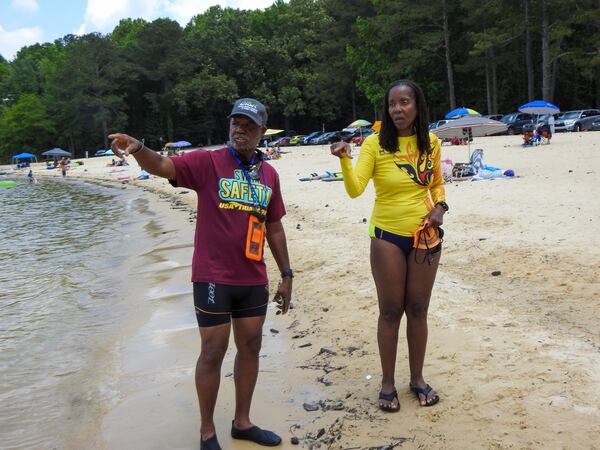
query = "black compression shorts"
x=216 y=304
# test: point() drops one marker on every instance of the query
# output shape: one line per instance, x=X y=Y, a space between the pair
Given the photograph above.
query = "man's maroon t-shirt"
x=224 y=203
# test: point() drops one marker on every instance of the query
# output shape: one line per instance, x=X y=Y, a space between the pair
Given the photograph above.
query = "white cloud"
x=183 y=10
x=28 y=6
x=250 y=4
x=12 y=41
x=104 y=15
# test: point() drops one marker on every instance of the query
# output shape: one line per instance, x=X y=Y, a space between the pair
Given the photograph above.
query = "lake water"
x=66 y=250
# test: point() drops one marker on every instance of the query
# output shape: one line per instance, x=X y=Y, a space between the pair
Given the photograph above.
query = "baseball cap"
x=252 y=109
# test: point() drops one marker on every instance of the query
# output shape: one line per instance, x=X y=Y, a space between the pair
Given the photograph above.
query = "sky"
x=26 y=22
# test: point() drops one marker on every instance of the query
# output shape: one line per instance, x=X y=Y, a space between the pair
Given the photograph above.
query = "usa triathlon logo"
x=249 y=106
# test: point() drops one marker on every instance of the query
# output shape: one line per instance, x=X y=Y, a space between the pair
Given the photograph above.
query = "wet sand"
x=515 y=357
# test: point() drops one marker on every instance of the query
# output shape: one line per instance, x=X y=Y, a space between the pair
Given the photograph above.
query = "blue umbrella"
x=181 y=144
x=459 y=112
x=539 y=107
x=109 y=152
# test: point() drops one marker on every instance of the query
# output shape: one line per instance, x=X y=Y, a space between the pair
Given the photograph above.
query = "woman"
x=404 y=163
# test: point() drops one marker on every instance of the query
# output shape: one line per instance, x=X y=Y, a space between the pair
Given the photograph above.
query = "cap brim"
x=245 y=115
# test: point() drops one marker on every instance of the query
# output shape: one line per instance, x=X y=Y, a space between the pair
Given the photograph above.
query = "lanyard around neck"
x=247 y=176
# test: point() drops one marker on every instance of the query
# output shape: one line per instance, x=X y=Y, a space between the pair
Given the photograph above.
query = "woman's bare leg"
x=388 y=265
x=419 y=283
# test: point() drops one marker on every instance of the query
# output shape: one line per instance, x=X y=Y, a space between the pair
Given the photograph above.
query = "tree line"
x=315 y=64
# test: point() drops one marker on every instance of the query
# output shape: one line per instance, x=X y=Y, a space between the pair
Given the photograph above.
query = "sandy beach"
x=515 y=357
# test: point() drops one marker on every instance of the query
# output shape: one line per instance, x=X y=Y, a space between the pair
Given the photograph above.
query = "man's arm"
x=148 y=159
x=278 y=245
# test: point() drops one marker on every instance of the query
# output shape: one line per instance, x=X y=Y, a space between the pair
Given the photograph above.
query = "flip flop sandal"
x=425 y=391
x=210 y=444
x=257 y=435
x=389 y=398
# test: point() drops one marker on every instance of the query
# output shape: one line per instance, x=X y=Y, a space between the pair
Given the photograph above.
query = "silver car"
x=579 y=120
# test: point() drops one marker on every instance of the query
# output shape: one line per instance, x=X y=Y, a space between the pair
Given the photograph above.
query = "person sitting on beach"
x=404 y=163
x=239 y=203
x=537 y=138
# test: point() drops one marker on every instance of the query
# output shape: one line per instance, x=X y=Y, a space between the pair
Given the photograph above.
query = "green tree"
x=151 y=60
x=25 y=126
x=85 y=92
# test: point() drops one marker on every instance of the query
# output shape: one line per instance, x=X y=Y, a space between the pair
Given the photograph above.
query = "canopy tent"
x=24 y=156
x=56 y=152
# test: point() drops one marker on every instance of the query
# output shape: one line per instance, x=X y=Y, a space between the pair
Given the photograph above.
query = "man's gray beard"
x=241 y=149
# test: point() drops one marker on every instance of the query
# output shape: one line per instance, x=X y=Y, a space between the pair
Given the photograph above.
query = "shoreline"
x=513 y=356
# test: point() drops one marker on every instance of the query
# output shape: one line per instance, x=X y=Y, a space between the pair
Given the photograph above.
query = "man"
x=239 y=202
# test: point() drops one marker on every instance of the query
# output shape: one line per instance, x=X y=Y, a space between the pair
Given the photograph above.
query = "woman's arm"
x=357 y=178
x=436 y=188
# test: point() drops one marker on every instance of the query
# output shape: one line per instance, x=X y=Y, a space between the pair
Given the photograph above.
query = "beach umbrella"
x=539 y=107
x=56 y=152
x=376 y=126
x=469 y=127
x=272 y=131
x=180 y=144
x=109 y=152
x=460 y=112
x=359 y=123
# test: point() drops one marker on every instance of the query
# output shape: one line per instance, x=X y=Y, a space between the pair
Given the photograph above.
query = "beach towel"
x=327 y=176
x=333 y=176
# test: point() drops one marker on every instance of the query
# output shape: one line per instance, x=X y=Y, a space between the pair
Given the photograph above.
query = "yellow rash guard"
x=406 y=185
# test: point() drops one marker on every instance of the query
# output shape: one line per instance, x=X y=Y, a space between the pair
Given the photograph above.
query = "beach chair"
x=475 y=164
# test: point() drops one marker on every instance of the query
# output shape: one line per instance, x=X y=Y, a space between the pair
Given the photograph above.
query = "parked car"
x=358 y=140
x=296 y=140
x=497 y=117
x=328 y=138
x=281 y=142
x=439 y=123
x=347 y=134
x=515 y=121
x=540 y=122
x=315 y=134
x=596 y=125
x=266 y=140
x=579 y=120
